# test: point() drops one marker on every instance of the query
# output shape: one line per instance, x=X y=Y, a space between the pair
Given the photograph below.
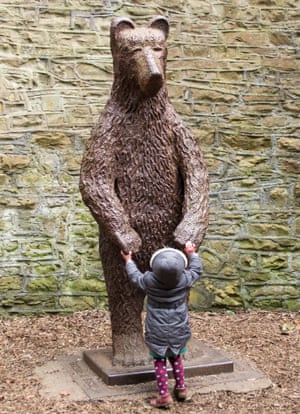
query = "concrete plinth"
x=200 y=360
x=71 y=377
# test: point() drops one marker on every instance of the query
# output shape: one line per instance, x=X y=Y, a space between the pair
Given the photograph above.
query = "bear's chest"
x=146 y=148
x=146 y=161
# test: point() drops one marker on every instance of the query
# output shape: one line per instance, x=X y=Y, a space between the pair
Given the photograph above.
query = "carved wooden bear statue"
x=142 y=176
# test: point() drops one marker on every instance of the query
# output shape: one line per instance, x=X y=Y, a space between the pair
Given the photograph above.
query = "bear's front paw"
x=130 y=241
x=186 y=231
x=181 y=236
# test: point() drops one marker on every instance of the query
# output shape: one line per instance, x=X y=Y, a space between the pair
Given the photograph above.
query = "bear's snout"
x=150 y=73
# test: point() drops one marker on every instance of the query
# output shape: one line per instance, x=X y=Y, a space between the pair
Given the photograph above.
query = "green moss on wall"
x=232 y=76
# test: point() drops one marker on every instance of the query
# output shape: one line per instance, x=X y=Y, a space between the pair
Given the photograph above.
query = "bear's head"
x=139 y=54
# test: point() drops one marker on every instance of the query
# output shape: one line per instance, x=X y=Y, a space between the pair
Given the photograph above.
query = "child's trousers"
x=161 y=374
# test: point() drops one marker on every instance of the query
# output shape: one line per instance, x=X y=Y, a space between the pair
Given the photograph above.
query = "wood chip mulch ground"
x=271 y=340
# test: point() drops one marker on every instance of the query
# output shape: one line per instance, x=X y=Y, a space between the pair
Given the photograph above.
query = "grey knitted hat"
x=168 y=264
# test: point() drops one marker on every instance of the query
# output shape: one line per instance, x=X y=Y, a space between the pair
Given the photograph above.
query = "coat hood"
x=167 y=265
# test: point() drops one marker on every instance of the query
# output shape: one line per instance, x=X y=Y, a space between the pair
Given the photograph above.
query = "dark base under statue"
x=201 y=359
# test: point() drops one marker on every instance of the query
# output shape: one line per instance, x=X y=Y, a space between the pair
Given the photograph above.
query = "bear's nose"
x=151 y=63
x=150 y=74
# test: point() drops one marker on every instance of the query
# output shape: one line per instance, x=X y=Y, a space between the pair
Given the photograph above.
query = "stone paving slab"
x=71 y=377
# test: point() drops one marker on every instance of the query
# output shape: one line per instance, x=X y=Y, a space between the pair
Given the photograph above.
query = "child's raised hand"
x=126 y=256
x=189 y=248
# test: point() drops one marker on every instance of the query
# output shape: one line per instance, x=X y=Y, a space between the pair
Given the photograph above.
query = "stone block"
x=28 y=121
x=10 y=283
x=225 y=294
x=15 y=161
x=268 y=229
x=242 y=141
x=292 y=305
x=280 y=63
x=274 y=262
x=47 y=284
x=18 y=202
x=288 y=165
x=289 y=144
x=51 y=103
x=4 y=178
x=275 y=291
x=84 y=285
x=51 y=140
x=77 y=302
x=211 y=262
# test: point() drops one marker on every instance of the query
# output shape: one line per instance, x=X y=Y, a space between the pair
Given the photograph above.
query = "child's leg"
x=161 y=375
x=178 y=371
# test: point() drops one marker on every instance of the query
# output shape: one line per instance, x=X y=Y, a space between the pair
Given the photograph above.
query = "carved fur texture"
x=143 y=175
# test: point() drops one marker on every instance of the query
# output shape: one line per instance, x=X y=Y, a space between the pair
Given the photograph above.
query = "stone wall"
x=233 y=75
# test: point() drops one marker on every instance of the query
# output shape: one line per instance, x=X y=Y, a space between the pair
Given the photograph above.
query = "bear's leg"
x=126 y=306
x=127 y=333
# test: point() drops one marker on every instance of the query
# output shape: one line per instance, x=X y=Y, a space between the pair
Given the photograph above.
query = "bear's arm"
x=195 y=178
x=98 y=193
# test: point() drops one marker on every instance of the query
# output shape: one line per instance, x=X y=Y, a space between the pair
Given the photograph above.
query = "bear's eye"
x=124 y=50
x=137 y=50
x=157 y=49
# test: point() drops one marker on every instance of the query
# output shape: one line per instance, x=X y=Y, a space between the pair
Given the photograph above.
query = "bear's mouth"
x=151 y=86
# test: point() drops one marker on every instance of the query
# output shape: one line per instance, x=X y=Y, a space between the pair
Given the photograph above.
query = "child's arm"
x=126 y=256
x=134 y=274
x=195 y=264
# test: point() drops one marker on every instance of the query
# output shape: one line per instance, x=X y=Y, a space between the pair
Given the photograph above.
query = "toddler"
x=167 y=328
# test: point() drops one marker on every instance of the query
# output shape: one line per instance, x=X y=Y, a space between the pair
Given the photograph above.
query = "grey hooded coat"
x=167 y=327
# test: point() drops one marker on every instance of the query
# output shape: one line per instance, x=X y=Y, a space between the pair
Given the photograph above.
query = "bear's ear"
x=119 y=24
x=161 y=23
